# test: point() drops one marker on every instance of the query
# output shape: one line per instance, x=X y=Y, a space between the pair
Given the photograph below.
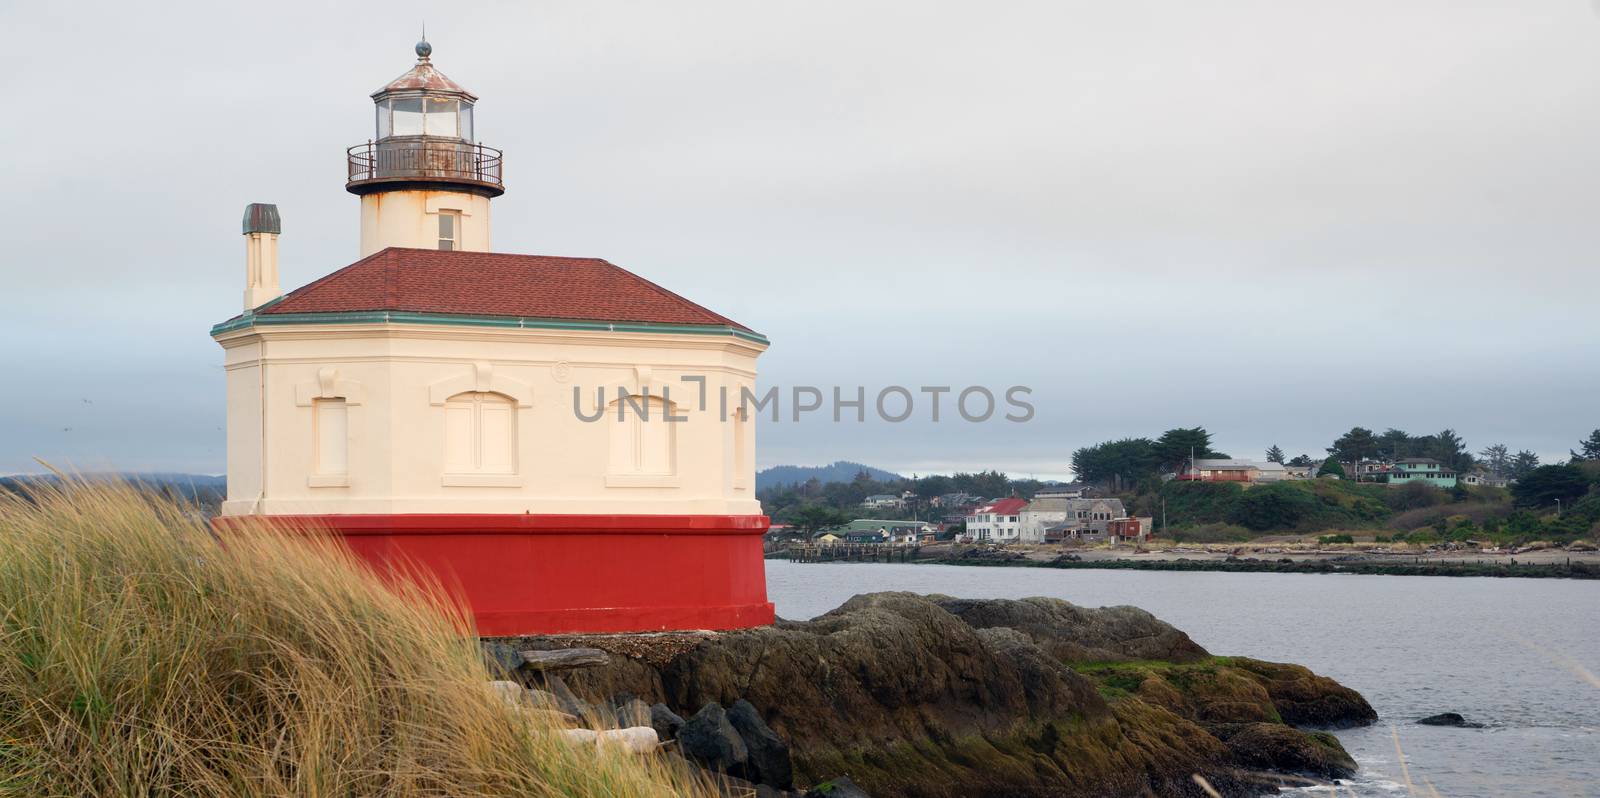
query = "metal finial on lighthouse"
x=423 y=48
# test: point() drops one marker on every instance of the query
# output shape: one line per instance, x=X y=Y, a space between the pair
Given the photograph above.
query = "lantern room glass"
x=426 y=115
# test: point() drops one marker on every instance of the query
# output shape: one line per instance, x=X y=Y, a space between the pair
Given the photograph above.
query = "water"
x=1511 y=653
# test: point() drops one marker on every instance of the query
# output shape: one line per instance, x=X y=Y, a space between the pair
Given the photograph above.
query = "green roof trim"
x=252 y=319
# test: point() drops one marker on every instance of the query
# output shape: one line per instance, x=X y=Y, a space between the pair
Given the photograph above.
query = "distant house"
x=1074 y=490
x=997 y=522
x=1425 y=470
x=1218 y=470
x=1135 y=530
x=875 y=530
x=881 y=501
x=1485 y=479
x=1299 y=472
x=1071 y=518
x=826 y=537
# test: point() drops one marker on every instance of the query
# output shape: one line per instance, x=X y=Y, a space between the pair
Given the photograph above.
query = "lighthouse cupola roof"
x=424 y=137
x=424 y=78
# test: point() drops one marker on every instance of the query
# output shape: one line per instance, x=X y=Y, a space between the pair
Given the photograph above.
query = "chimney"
x=261 y=228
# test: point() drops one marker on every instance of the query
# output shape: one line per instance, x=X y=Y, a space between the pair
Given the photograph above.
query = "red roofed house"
x=558 y=439
x=997 y=522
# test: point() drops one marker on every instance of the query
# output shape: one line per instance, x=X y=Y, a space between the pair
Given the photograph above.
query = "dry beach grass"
x=140 y=657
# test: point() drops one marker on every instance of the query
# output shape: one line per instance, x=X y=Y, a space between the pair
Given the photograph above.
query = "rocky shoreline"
x=936 y=697
x=1347 y=565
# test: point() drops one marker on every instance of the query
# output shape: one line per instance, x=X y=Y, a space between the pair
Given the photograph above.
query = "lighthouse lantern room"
x=558 y=440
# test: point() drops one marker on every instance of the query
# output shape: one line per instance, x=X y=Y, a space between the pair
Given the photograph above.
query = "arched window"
x=643 y=442
x=480 y=434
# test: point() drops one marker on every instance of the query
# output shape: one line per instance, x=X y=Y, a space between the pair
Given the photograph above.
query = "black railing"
x=425 y=159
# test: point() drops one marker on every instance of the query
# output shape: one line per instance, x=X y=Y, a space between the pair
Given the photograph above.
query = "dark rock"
x=1449 y=719
x=665 y=722
x=501 y=658
x=768 y=754
x=567 y=701
x=841 y=787
x=1080 y=634
x=711 y=740
x=938 y=697
x=633 y=712
x=1285 y=749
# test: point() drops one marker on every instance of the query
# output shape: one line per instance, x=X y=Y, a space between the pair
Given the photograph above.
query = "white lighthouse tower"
x=558 y=439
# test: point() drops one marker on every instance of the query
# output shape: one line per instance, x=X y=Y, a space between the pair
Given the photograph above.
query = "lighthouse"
x=559 y=441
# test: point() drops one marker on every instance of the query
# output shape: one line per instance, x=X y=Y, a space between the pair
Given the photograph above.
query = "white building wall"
x=396 y=381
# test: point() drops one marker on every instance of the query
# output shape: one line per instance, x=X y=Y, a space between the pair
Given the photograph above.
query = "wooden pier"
x=853 y=552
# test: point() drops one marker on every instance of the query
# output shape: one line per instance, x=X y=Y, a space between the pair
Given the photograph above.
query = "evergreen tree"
x=1589 y=449
x=1523 y=464
x=1275 y=455
x=1353 y=446
x=1302 y=460
x=1331 y=466
x=1496 y=458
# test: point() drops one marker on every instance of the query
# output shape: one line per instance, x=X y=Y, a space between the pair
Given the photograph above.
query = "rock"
x=934 y=696
x=501 y=657
x=710 y=739
x=511 y=692
x=563 y=659
x=635 y=740
x=1285 y=749
x=768 y=761
x=665 y=721
x=1079 y=634
x=633 y=712
x=1449 y=719
x=567 y=701
x=841 y=787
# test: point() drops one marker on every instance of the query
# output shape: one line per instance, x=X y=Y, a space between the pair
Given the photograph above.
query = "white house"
x=997 y=522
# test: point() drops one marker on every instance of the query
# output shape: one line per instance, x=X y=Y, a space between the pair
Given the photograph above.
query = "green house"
x=1422 y=469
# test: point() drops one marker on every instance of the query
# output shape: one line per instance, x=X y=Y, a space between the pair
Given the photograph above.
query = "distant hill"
x=839 y=471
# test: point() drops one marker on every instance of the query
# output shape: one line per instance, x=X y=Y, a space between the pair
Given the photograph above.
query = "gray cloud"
x=1277 y=219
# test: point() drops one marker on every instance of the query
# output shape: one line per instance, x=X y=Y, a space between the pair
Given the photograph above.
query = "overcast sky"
x=1273 y=218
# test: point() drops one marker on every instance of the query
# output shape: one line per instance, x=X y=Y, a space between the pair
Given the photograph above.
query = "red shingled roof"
x=1002 y=507
x=492 y=284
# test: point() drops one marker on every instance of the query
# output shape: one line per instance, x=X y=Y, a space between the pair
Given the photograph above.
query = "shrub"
x=142 y=657
x=1279 y=506
x=1415 y=496
x=1339 y=538
x=1211 y=533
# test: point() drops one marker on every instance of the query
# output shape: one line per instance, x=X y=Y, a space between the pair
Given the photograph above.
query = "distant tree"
x=1355 y=445
x=812 y=518
x=1302 y=460
x=1116 y=463
x=1523 y=464
x=1544 y=485
x=1275 y=455
x=934 y=485
x=1589 y=448
x=1496 y=458
x=862 y=477
x=1331 y=466
x=1448 y=448
x=1174 y=446
x=1394 y=444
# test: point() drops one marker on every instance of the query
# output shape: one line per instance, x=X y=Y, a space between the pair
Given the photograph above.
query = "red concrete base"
x=545 y=574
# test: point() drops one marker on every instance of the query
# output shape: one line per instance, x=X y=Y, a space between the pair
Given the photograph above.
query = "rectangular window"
x=408 y=116
x=449 y=230
x=332 y=437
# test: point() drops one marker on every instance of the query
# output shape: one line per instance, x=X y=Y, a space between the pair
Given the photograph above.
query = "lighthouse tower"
x=560 y=441
x=424 y=181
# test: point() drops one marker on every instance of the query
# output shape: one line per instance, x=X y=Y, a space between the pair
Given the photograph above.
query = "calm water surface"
x=1511 y=653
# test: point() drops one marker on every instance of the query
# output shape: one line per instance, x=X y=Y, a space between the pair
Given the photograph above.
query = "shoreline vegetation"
x=141 y=656
x=1552 y=562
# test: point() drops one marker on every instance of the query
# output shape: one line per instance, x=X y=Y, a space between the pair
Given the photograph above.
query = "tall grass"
x=141 y=657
